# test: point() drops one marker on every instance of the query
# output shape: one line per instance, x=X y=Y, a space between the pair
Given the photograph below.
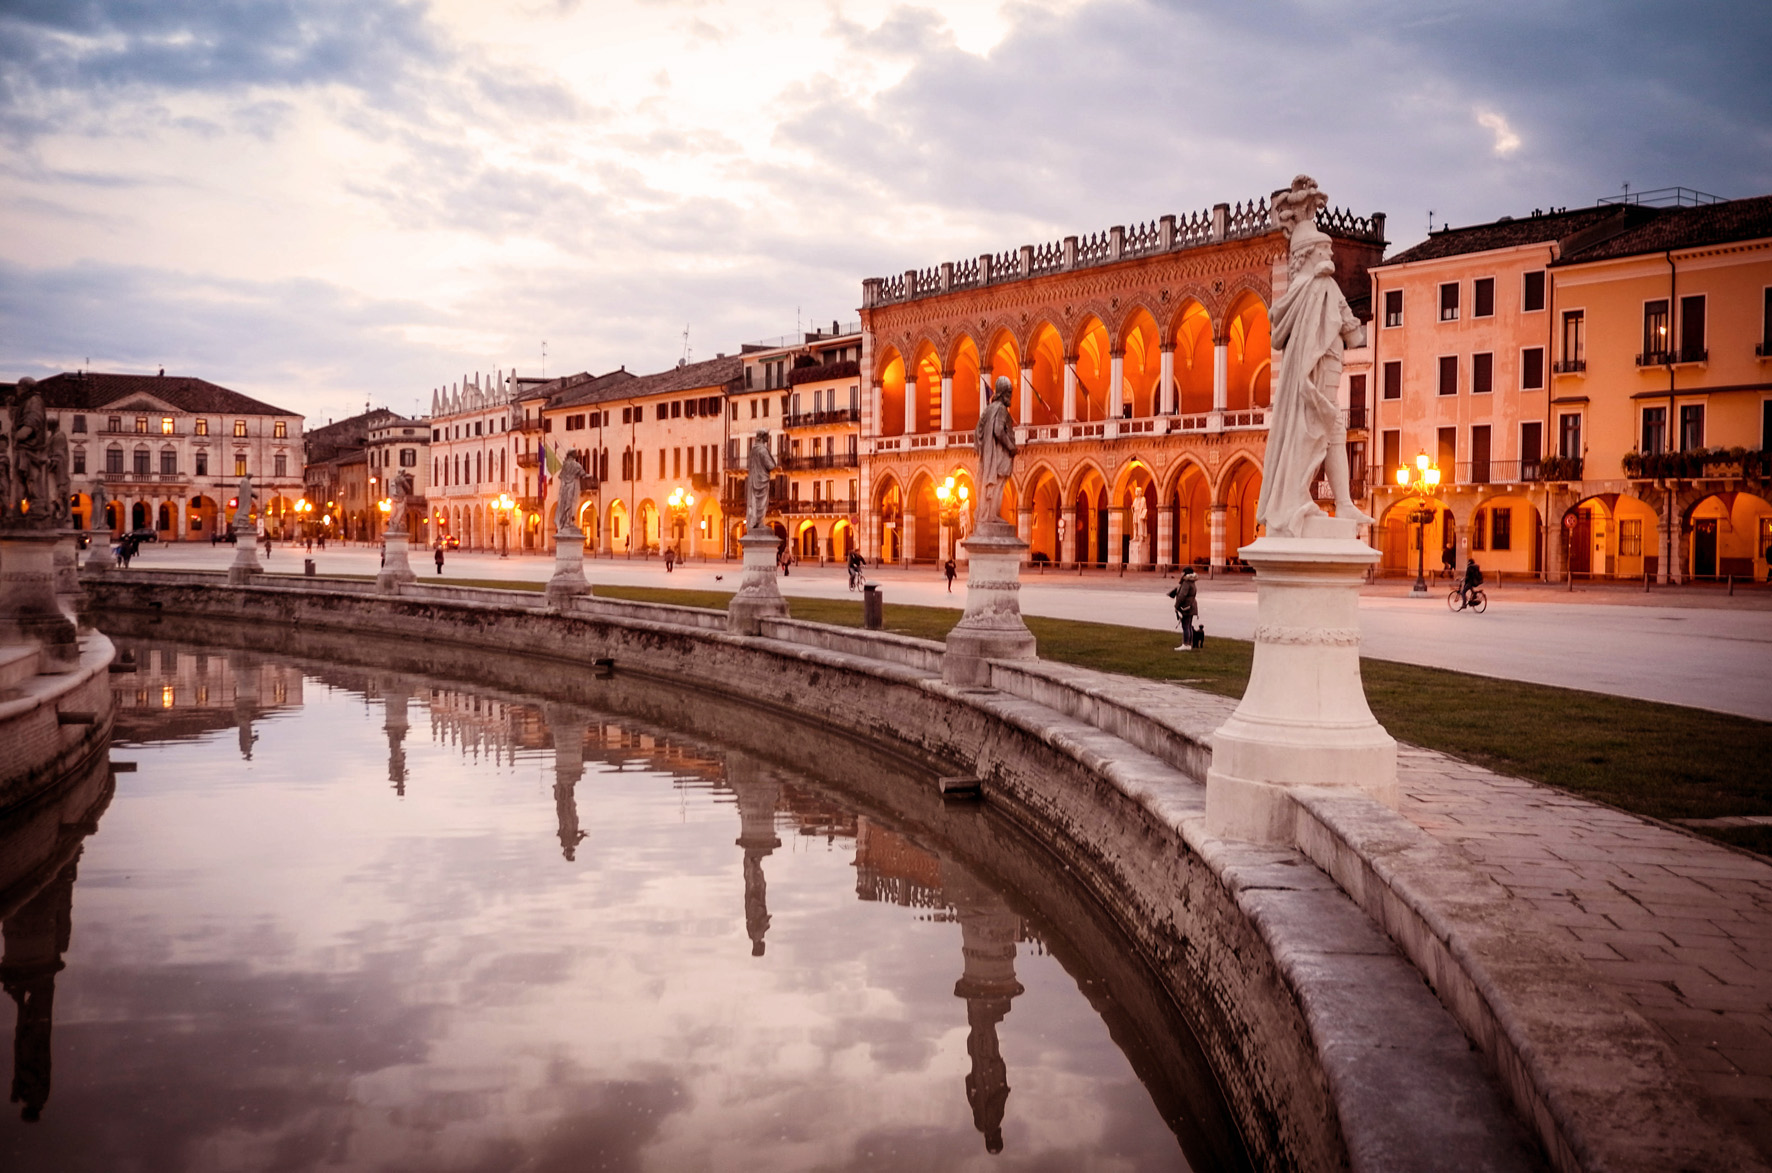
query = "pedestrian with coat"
x=950 y=570
x=1187 y=606
x=439 y=557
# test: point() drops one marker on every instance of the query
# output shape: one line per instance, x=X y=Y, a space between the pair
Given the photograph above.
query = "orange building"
x=1141 y=374
x=1592 y=385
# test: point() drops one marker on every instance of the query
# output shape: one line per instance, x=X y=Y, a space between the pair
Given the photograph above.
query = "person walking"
x=439 y=557
x=949 y=569
x=670 y=559
x=1186 y=596
x=854 y=567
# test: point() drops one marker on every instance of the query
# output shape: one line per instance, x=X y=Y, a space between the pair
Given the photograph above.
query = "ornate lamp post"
x=680 y=503
x=950 y=499
x=504 y=505
x=1424 y=480
x=304 y=522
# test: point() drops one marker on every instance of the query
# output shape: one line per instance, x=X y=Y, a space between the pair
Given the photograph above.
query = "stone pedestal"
x=30 y=612
x=1303 y=720
x=98 y=551
x=67 y=573
x=991 y=628
x=395 y=568
x=245 y=557
x=757 y=598
x=569 y=568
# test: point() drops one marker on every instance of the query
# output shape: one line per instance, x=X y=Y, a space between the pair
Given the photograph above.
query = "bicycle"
x=1478 y=601
x=858 y=580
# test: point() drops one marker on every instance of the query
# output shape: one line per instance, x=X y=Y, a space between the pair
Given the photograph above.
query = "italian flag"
x=550 y=464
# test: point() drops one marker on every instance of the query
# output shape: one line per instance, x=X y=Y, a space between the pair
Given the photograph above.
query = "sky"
x=333 y=203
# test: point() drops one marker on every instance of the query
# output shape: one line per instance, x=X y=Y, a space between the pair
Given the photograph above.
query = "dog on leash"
x=1200 y=638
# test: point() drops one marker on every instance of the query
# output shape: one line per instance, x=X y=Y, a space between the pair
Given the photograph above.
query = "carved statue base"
x=569 y=568
x=30 y=612
x=245 y=556
x=67 y=573
x=991 y=628
x=395 y=568
x=1303 y=720
x=98 y=551
x=757 y=598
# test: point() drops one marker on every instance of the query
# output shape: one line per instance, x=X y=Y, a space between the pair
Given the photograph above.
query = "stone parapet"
x=49 y=724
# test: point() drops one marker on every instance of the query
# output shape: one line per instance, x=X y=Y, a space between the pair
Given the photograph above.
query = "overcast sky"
x=327 y=202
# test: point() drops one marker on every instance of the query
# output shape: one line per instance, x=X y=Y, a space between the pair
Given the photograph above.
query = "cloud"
x=1506 y=141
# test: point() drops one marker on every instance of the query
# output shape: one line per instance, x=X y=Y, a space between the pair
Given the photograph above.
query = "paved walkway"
x=1691 y=646
x=1682 y=928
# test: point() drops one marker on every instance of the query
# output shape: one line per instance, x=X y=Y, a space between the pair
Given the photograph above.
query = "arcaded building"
x=1140 y=369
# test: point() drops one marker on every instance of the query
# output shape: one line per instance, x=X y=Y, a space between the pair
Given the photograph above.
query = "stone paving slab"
x=1681 y=928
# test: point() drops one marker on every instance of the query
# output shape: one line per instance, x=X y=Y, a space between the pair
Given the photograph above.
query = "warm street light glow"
x=1426 y=479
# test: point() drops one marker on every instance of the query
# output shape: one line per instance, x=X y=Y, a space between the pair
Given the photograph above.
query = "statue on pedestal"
x=60 y=482
x=243 y=505
x=571 y=477
x=399 y=489
x=995 y=444
x=1138 y=531
x=1312 y=326
x=756 y=489
x=27 y=488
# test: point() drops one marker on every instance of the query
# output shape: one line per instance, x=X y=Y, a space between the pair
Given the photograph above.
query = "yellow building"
x=1592 y=385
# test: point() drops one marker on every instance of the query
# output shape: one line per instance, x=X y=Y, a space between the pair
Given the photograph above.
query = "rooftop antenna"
x=1430 y=221
x=544 y=358
x=1627 y=191
x=686 y=351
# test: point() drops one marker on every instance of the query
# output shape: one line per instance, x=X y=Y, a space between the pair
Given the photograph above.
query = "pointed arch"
x=1141 y=360
x=1191 y=334
x=1247 y=351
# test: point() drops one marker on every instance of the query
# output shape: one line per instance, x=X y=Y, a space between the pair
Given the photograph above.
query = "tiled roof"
x=1506 y=233
x=715 y=372
x=1672 y=229
x=91 y=391
x=583 y=388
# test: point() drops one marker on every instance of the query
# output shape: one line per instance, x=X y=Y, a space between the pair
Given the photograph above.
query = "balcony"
x=528 y=459
x=1576 y=366
x=1691 y=356
x=813 y=419
x=518 y=425
x=824 y=373
x=821 y=460
x=832 y=507
x=1356 y=418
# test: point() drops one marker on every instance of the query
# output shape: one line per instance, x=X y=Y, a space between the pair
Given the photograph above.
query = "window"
x=1479 y=454
x=1574 y=340
x=1532 y=368
x=202 y=464
x=142 y=460
x=200 y=427
x=1501 y=528
x=1692 y=329
x=408 y=458
x=735 y=409
x=1654 y=431
x=141 y=425
x=765 y=409
x=676 y=463
x=1691 y=426
x=1449 y=374
x=663 y=411
x=239 y=464
x=1393 y=307
x=1446 y=454
x=1630 y=537
x=676 y=409
x=1479 y=529
x=1392 y=442
x=280 y=465
x=1393 y=380
x=1569 y=435
x=1449 y=302
x=240 y=429
x=1532 y=291
x=166 y=425
x=114 y=424
x=1765 y=329
x=280 y=430
x=1483 y=297
x=114 y=459
x=1655 y=339
x=79 y=462
x=479 y=426
x=436 y=435
x=168 y=462
x=1531 y=449
x=627 y=415
x=1482 y=374
x=661 y=455
x=80 y=420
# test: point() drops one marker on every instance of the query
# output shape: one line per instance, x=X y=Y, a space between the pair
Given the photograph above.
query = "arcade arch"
x=1046 y=503
x=1190 y=534
x=1248 y=358
x=967 y=394
x=892 y=392
x=1241 y=488
x=889 y=508
x=1096 y=400
x=1728 y=536
x=1087 y=506
x=1141 y=363
x=1193 y=359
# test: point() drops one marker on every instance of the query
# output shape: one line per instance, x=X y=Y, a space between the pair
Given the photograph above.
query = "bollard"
x=1731 y=586
x=873 y=608
x=307 y=567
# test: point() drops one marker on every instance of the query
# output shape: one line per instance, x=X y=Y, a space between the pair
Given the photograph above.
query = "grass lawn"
x=1636 y=755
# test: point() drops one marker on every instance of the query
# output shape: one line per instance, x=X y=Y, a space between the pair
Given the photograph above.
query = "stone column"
x=947 y=401
x=98 y=550
x=1024 y=524
x=907 y=535
x=1221 y=366
x=991 y=628
x=30 y=612
x=245 y=554
x=569 y=567
x=1166 y=534
x=1116 y=527
x=1303 y=720
x=1166 y=380
x=1215 y=537
x=1070 y=388
x=757 y=598
x=911 y=388
x=1116 y=382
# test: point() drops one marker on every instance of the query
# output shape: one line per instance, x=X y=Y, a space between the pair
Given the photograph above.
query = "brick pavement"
x=1679 y=926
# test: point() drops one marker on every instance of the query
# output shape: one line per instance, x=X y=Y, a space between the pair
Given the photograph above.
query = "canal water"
x=318 y=915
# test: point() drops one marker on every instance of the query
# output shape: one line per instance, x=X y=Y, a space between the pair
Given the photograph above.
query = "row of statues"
x=35 y=468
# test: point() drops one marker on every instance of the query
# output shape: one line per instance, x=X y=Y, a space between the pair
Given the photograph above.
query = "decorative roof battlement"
x=1223 y=222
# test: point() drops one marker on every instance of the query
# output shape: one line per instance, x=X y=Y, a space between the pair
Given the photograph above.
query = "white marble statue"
x=399 y=489
x=756 y=489
x=243 y=505
x=1312 y=326
x=571 y=480
x=1138 y=529
x=995 y=444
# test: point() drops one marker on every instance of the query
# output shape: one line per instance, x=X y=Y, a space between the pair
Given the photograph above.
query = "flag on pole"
x=549 y=465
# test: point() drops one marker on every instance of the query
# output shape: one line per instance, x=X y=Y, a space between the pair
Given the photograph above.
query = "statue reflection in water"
x=758 y=793
x=988 y=930
x=569 y=767
x=396 y=696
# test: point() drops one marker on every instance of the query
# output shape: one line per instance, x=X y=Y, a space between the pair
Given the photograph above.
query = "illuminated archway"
x=1096 y=400
x=1141 y=364
x=1193 y=360
x=1048 y=503
x=1239 y=492
x=967 y=394
x=892 y=390
x=1247 y=355
x=925 y=390
x=1190 y=519
x=1727 y=536
x=1087 y=512
x=889 y=508
x=1400 y=545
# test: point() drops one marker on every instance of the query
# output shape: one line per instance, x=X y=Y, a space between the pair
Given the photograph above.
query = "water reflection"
x=310 y=971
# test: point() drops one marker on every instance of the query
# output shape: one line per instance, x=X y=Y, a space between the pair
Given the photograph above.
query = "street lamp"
x=504 y=505
x=386 y=505
x=680 y=504
x=1425 y=479
x=950 y=499
x=303 y=522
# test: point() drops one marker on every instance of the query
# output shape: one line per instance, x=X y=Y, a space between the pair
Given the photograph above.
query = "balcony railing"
x=1673 y=358
x=1356 y=418
x=822 y=460
x=810 y=419
x=525 y=425
x=1576 y=366
x=830 y=507
x=528 y=459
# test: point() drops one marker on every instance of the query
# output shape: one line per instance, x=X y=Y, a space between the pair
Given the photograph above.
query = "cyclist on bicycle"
x=1473 y=578
x=854 y=567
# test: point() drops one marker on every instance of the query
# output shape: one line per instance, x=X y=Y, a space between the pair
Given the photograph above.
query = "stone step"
x=17 y=665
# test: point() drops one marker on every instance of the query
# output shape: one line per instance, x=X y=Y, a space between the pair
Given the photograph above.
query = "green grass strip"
x=1664 y=761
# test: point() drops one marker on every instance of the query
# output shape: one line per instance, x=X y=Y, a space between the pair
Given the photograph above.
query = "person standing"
x=670 y=559
x=439 y=557
x=949 y=569
x=1186 y=596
